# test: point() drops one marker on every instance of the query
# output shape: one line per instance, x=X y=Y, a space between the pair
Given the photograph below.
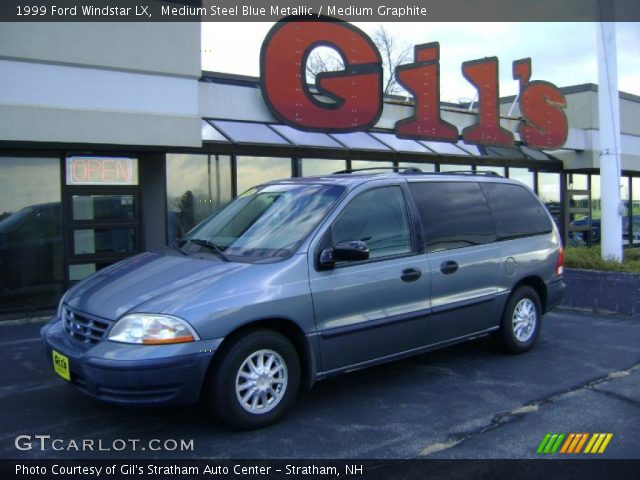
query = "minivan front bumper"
x=128 y=374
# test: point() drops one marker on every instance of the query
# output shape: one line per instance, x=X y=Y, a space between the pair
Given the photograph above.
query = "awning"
x=245 y=133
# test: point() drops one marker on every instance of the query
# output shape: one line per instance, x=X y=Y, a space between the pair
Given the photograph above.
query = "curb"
x=606 y=293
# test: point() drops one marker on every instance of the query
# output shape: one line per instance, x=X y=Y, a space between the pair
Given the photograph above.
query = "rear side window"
x=517 y=211
x=453 y=214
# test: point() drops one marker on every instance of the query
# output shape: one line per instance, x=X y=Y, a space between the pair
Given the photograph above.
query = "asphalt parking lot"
x=468 y=401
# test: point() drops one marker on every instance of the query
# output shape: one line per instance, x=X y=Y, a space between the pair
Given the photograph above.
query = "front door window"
x=378 y=218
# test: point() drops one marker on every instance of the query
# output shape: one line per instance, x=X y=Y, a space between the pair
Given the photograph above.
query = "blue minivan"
x=300 y=279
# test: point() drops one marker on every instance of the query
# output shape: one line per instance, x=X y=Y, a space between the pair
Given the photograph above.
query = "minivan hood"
x=144 y=283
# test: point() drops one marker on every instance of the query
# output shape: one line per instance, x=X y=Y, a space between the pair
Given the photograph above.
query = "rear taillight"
x=560 y=263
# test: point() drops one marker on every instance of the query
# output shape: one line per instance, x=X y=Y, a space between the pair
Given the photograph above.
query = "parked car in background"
x=31 y=247
x=596 y=229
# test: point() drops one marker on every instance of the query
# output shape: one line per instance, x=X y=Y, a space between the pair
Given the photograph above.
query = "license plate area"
x=61 y=365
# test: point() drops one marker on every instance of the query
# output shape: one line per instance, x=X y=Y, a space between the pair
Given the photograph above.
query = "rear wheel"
x=255 y=380
x=521 y=321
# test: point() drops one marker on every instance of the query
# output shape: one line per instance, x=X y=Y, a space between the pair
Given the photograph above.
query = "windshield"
x=266 y=223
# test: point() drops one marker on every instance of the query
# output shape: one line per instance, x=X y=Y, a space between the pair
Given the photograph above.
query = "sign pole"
x=609 y=150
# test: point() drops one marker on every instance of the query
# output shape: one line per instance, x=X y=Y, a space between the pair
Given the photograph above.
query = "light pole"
x=609 y=146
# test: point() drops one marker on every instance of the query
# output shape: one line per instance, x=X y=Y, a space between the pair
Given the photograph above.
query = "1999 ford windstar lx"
x=304 y=278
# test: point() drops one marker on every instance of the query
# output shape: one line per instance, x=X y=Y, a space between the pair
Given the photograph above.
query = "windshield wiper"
x=212 y=246
x=177 y=244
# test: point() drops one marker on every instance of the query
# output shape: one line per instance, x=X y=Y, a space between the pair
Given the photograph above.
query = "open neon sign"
x=99 y=171
x=356 y=92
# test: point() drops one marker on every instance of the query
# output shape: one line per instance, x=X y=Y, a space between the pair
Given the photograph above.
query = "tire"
x=241 y=392
x=521 y=321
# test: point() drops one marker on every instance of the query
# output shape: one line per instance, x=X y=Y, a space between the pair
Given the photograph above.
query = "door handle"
x=411 y=274
x=448 y=267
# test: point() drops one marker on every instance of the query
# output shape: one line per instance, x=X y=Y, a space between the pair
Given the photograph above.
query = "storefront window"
x=253 y=171
x=577 y=181
x=104 y=240
x=103 y=207
x=31 y=271
x=579 y=201
x=498 y=170
x=624 y=199
x=578 y=218
x=196 y=185
x=320 y=166
x=549 y=192
x=523 y=175
x=80 y=271
x=596 y=209
x=425 y=167
x=446 y=167
x=358 y=164
x=635 y=210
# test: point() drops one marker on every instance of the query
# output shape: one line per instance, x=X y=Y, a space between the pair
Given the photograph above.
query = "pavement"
x=467 y=401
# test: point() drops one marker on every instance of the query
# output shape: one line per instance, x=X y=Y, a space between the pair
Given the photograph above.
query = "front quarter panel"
x=262 y=291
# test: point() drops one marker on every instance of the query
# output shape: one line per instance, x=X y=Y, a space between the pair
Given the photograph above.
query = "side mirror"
x=350 y=251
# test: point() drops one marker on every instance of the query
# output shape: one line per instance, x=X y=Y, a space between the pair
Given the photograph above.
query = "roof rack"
x=485 y=173
x=415 y=170
x=395 y=169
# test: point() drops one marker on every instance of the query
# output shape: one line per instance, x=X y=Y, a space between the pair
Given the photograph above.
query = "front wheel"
x=255 y=380
x=521 y=321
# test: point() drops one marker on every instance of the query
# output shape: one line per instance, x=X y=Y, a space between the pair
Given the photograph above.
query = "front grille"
x=83 y=327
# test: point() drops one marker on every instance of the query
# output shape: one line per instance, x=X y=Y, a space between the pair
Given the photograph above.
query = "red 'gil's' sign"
x=356 y=92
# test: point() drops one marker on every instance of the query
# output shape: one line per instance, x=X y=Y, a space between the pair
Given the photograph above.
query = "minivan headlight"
x=150 y=329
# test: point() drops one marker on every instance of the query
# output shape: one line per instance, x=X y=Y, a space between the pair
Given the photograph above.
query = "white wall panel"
x=46 y=85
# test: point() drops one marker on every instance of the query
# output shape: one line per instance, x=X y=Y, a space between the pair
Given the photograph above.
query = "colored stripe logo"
x=574 y=443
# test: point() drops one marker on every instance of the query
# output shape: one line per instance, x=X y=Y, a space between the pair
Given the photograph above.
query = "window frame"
x=533 y=196
x=72 y=225
x=415 y=235
x=424 y=234
x=207 y=156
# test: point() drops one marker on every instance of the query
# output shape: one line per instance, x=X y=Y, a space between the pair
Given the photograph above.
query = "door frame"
x=69 y=225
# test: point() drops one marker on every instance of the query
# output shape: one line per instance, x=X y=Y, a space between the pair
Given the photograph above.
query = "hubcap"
x=261 y=381
x=524 y=319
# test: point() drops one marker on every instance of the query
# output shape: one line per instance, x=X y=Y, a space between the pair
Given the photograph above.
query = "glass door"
x=579 y=228
x=103 y=228
x=102 y=211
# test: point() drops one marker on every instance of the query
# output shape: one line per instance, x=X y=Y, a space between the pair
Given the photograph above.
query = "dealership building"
x=113 y=141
